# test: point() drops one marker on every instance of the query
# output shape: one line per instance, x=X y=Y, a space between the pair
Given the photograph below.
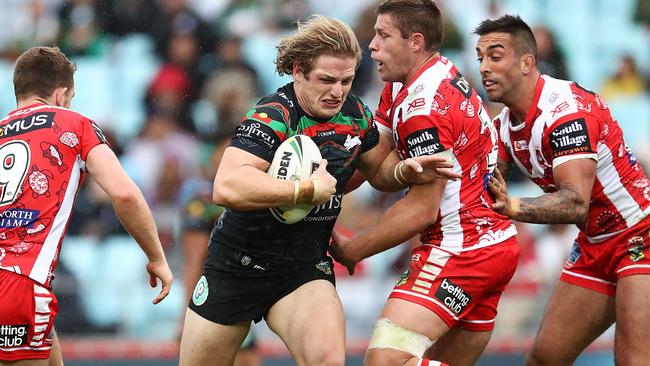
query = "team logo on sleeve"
x=570 y=138
x=424 y=142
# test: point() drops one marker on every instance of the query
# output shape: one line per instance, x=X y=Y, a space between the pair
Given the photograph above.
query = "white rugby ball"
x=295 y=159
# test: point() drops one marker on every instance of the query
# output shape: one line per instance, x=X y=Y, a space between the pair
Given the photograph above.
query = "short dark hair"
x=516 y=27
x=40 y=70
x=416 y=16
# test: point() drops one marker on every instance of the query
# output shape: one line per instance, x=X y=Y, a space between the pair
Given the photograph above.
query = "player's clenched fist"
x=318 y=188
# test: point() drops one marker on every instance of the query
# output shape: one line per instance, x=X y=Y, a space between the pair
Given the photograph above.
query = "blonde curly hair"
x=318 y=36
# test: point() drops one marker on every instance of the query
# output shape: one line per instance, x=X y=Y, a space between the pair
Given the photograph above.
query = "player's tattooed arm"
x=568 y=205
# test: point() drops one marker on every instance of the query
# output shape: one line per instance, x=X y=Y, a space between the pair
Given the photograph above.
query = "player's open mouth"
x=487 y=83
x=328 y=103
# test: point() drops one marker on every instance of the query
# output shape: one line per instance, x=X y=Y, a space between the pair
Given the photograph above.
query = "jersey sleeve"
x=426 y=135
x=371 y=135
x=574 y=136
x=90 y=135
x=381 y=114
x=261 y=131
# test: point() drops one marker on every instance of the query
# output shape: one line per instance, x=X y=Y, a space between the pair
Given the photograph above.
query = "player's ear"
x=527 y=63
x=298 y=72
x=418 y=42
x=59 y=96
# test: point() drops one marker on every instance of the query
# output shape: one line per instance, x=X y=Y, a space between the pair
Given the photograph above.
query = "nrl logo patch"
x=402 y=280
x=325 y=267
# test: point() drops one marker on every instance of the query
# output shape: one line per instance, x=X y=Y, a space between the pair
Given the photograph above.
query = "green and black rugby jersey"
x=255 y=237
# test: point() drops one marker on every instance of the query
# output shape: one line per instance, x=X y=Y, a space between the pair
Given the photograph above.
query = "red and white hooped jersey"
x=43 y=151
x=439 y=111
x=569 y=122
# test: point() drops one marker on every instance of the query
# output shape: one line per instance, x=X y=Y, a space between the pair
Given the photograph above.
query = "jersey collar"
x=17 y=110
x=534 y=111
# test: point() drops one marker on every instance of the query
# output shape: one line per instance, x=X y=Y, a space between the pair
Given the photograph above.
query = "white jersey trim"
x=563 y=159
x=633 y=266
x=450 y=223
x=41 y=270
x=383 y=128
x=587 y=277
x=433 y=301
x=479 y=321
x=613 y=188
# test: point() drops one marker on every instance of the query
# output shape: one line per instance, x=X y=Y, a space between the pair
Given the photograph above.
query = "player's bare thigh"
x=459 y=347
x=207 y=343
x=632 y=320
x=413 y=317
x=56 y=358
x=310 y=321
x=575 y=317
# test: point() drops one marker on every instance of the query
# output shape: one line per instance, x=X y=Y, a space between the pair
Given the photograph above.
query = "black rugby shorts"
x=227 y=297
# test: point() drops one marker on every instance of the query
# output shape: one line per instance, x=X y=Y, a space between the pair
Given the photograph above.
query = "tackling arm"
x=385 y=171
x=406 y=218
x=242 y=183
x=568 y=205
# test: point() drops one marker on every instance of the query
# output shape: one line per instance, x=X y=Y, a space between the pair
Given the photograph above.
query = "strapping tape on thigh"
x=388 y=335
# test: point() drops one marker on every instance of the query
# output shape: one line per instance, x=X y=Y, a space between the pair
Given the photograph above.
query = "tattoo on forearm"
x=565 y=206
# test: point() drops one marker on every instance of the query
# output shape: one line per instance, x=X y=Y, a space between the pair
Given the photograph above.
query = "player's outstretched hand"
x=159 y=270
x=324 y=184
x=340 y=250
x=503 y=204
x=426 y=168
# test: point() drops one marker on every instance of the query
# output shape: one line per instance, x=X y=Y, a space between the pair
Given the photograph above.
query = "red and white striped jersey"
x=439 y=111
x=569 y=122
x=42 y=160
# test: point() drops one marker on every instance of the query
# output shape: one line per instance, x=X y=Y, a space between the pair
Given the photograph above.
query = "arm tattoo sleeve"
x=565 y=206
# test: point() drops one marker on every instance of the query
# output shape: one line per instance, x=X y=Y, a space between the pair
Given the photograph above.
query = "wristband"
x=399 y=167
x=296 y=191
x=305 y=191
x=313 y=193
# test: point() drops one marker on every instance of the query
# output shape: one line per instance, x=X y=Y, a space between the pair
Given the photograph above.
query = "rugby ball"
x=295 y=159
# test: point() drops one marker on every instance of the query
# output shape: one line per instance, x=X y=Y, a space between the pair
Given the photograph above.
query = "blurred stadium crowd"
x=168 y=80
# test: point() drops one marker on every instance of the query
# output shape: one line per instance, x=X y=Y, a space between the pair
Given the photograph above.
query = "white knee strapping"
x=387 y=335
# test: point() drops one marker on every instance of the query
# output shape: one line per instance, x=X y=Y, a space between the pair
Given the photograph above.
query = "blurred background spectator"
x=168 y=80
x=627 y=82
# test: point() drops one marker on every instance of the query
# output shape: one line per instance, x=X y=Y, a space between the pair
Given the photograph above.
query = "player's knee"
x=392 y=344
x=538 y=357
x=326 y=357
